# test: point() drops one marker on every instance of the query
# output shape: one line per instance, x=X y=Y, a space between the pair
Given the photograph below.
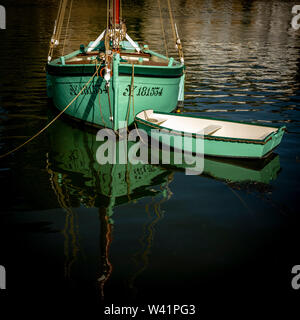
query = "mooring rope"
x=131 y=93
x=53 y=120
x=109 y=104
x=132 y=97
x=99 y=93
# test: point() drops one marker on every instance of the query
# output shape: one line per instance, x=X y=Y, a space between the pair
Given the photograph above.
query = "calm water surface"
x=74 y=231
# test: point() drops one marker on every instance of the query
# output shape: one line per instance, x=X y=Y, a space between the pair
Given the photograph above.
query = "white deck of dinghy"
x=215 y=128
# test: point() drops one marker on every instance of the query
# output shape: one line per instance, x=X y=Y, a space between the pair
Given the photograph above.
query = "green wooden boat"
x=130 y=77
x=221 y=138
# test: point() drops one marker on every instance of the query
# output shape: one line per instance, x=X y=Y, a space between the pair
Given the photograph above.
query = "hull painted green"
x=155 y=85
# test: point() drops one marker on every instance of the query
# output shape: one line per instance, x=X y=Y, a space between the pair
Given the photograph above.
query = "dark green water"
x=81 y=235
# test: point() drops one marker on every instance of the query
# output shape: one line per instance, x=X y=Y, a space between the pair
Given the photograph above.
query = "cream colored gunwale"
x=208 y=137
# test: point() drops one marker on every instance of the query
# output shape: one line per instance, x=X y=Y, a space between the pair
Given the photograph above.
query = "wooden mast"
x=116 y=12
x=116 y=26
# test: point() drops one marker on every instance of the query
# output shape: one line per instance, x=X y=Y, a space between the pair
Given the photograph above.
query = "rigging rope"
x=70 y=10
x=107 y=15
x=53 y=120
x=57 y=27
x=61 y=20
x=172 y=21
x=162 y=28
x=175 y=34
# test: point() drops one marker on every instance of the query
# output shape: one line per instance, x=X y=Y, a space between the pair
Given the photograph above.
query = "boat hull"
x=113 y=107
x=211 y=145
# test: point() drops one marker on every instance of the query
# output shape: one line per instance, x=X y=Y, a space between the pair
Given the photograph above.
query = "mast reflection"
x=79 y=180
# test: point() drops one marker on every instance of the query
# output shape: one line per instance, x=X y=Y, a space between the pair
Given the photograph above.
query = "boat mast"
x=115 y=27
x=115 y=31
x=117 y=12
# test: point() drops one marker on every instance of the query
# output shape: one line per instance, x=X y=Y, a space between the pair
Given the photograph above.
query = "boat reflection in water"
x=240 y=172
x=79 y=180
x=231 y=170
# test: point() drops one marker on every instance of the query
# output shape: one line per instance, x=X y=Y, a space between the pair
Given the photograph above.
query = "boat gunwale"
x=56 y=68
x=143 y=52
x=57 y=63
x=217 y=138
x=89 y=69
